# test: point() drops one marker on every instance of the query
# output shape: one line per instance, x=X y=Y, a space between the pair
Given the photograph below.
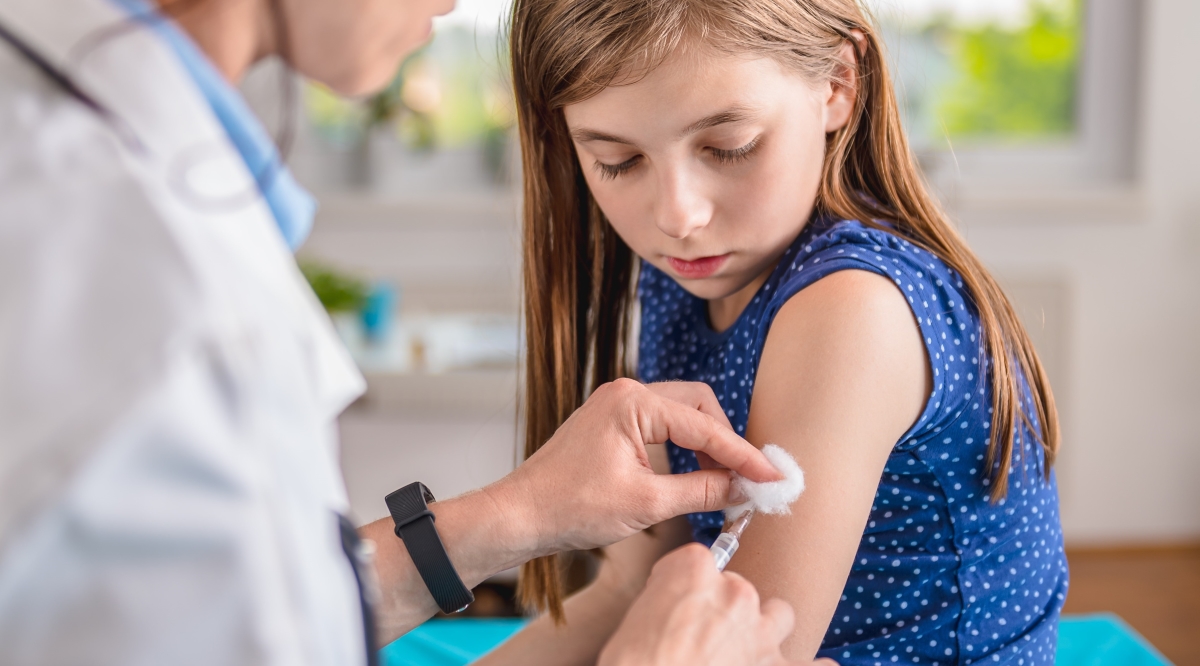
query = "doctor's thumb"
x=705 y=490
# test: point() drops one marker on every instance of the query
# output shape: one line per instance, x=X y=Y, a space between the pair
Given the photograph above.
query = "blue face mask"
x=292 y=206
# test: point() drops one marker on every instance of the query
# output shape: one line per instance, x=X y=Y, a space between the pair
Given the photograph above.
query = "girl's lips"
x=696 y=269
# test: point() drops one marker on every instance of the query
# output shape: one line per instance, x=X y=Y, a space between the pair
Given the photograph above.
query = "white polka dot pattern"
x=942 y=575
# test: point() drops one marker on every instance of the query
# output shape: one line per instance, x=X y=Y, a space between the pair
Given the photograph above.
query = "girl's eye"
x=737 y=154
x=609 y=171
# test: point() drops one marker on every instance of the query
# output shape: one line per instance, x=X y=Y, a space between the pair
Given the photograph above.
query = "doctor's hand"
x=690 y=613
x=592 y=485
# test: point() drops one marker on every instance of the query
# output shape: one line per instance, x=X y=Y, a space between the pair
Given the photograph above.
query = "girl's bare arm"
x=843 y=376
x=595 y=612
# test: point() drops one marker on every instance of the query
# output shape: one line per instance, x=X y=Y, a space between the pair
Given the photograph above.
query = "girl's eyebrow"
x=583 y=134
x=734 y=114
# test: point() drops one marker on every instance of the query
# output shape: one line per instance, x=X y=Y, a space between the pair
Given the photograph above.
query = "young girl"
x=750 y=154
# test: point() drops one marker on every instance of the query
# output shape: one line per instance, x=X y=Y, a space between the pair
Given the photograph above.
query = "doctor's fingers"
x=661 y=419
x=697 y=395
x=779 y=620
x=692 y=492
x=688 y=567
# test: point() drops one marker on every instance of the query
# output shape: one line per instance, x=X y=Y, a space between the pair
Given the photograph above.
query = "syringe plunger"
x=723 y=549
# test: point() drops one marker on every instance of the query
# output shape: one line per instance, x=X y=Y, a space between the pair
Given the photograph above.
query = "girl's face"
x=709 y=166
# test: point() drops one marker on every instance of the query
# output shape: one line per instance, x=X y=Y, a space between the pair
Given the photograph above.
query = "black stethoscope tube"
x=62 y=80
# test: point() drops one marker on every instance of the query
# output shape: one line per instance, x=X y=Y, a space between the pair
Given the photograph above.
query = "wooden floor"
x=1156 y=590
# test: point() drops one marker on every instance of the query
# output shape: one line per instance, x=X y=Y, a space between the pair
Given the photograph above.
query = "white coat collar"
x=173 y=122
x=65 y=35
x=111 y=58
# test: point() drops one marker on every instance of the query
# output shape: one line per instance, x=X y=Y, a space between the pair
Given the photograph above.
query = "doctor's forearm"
x=485 y=532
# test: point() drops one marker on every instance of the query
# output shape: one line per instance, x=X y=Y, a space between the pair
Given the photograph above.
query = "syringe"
x=729 y=540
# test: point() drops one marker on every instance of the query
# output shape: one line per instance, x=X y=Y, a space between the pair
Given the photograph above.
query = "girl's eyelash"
x=737 y=154
x=609 y=171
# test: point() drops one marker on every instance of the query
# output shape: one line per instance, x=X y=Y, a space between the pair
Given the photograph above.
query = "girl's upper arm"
x=843 y=376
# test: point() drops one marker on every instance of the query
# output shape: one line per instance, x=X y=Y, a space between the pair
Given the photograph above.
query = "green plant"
x=337 y=291
x=1014 y=81
x=392 y=105
x=345 y=121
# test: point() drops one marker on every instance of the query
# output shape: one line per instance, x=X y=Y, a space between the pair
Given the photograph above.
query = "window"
x=1016 y=92
x=1000 y=71
x=994 y=92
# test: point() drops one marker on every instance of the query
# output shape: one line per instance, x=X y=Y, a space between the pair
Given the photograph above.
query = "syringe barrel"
x=723 y=549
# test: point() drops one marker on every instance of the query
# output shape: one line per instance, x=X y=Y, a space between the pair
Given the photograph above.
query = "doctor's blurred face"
x=356 y=46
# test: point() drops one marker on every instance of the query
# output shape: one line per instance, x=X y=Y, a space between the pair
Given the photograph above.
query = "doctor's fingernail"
x=737 y=496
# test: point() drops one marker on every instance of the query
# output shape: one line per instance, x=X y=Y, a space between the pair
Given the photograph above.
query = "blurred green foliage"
x=472 y=74
x=390 y=106
x=344 y=121
x=337 y=291
x=1014 y=81
x=454 y=91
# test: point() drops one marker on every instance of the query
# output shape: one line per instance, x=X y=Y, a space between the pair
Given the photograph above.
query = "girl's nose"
x=681 y=207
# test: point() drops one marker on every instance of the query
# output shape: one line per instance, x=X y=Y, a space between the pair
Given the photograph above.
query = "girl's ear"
x=843 y=85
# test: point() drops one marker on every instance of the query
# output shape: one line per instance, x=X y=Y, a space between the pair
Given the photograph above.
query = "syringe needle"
x=728 y=541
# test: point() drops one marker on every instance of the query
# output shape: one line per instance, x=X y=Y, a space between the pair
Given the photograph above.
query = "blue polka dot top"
x=942 y=575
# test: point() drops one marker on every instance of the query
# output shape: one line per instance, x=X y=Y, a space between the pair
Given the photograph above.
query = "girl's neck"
x=724 y=312
x=234 y=34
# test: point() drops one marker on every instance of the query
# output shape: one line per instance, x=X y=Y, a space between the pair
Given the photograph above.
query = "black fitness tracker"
x=409 y=507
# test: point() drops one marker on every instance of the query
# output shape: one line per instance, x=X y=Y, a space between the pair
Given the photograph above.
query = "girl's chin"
x=710 y=289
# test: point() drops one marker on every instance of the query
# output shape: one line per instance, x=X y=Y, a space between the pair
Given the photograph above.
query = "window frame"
x=1100 y=154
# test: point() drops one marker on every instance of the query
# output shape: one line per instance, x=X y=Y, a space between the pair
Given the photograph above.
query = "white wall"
x=1122 y=263
x=382 y=452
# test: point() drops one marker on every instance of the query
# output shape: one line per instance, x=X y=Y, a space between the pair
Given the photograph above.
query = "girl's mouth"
x=695 y=269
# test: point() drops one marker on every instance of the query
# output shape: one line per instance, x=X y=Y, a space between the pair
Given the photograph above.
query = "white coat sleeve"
x=161 y=551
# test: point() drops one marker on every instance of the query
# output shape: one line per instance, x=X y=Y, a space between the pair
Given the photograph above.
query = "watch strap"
x=409 y=504
x=415 y=526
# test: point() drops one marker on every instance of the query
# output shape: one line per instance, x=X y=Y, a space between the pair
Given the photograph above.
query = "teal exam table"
x=1083 y=640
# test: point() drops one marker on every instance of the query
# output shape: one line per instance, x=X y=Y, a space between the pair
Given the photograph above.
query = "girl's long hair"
x=578 y=274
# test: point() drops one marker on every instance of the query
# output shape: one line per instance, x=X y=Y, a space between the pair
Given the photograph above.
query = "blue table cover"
x=449 y=642
x=1103 y=639
x=1083 y=640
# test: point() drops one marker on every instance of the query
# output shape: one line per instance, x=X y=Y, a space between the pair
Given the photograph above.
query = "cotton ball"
x=773 y=497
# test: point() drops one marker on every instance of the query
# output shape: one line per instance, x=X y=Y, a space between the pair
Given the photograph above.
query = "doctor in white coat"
x=169 y=487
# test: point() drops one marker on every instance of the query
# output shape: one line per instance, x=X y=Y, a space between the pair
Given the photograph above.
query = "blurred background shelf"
x=459 y=394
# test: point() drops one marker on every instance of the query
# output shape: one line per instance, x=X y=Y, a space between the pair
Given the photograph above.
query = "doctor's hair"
x=579 y=276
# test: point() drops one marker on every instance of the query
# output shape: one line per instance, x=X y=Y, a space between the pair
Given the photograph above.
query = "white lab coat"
x=168 y=383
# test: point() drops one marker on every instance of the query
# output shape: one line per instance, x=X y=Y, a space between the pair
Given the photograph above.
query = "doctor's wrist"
x=484 y=532
x=487 y=531
x=522 y=532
